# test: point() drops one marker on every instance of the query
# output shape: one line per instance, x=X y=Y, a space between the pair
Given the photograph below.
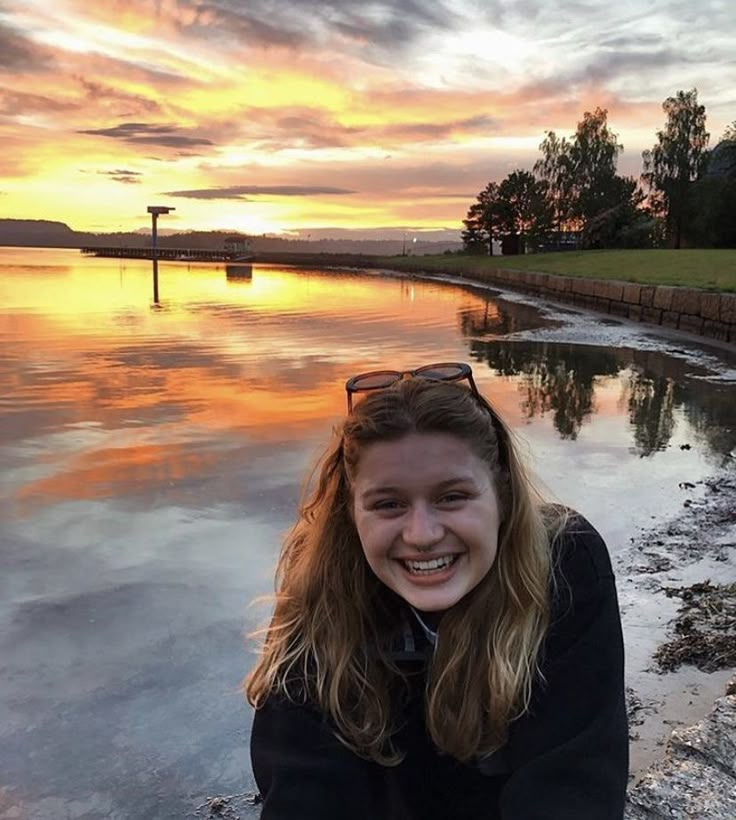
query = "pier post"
x=155 y=210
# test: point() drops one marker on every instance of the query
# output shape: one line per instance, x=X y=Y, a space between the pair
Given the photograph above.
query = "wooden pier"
x=169 y=254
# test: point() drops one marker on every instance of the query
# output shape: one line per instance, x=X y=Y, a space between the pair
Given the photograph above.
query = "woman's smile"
x=429 y=566
x=430 y=572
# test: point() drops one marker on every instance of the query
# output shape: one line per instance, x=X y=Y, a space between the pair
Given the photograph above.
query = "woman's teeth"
x=433 y=565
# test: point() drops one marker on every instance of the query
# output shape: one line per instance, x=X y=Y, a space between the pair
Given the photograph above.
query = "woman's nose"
x=422 y=528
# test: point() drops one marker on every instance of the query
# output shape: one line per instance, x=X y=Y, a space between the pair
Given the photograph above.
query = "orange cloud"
x=404 y=105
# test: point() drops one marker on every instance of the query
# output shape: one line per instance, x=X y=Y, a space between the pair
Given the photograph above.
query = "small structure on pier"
x=237 y=244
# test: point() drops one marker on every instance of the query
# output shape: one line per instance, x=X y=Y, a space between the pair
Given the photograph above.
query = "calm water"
x=151 y=458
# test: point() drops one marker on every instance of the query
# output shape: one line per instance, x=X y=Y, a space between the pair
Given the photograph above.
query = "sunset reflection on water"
x=153 y=456
x=120 y=396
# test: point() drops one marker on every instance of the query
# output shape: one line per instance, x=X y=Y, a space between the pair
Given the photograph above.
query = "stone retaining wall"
x=695 y=311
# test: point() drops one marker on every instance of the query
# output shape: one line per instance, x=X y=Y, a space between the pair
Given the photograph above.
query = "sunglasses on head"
x=381 y=379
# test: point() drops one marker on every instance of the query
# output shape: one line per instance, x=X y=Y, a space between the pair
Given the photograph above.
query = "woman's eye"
x=452 y=498
x=386 y=504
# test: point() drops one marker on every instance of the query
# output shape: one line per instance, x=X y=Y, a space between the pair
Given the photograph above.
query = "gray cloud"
x=382 y=27
x=140 y=133
x=172 y=141
x=407 y=184
x=124 y=176
x=13 y=103
x=134 y=103
x=603 y=67
x=625 y=42
x=439 y=130
x=308 y=129
x=243 y=25
x=610 y=63
x=302 y=127
x=241 y=191
x=18 y=53
x=620 y=38
x=392 y=181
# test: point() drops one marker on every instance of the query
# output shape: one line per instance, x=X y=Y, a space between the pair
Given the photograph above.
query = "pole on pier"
x=155 y=281
x=155 y=211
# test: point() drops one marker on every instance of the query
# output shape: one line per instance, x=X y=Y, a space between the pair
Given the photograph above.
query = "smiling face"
x=427 y=514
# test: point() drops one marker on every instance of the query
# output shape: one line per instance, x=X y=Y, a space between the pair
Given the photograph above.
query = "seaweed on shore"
x=705 y=627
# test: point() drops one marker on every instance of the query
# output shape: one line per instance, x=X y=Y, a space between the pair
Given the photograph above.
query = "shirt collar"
x=430 y=634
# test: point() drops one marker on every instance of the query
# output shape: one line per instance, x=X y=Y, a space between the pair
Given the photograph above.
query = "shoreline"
x=678 y=667
x=697 y=776
x=706 y=314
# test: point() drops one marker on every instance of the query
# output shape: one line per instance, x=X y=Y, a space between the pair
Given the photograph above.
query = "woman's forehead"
x=418 y=459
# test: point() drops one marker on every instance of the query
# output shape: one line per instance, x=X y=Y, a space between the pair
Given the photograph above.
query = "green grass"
x=706 y=269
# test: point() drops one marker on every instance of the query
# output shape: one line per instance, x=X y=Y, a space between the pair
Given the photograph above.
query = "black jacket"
x=566 y=759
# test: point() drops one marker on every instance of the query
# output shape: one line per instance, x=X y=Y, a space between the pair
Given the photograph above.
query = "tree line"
x=574 y=197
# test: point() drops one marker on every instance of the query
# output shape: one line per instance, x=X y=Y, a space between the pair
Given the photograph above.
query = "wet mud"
x=684 y=569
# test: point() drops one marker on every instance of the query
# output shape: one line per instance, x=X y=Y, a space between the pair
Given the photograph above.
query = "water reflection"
x=556 y=379
x=495 y=317
x=239 y=273
x=651 y=403
x=562 y=380
x=152 y=460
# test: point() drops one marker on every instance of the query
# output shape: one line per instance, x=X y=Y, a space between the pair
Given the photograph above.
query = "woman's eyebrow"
x=450 y=482
x=380 y=490
x=442 y=485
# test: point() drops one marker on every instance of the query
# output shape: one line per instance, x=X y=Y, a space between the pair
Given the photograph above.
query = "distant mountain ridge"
x=44 y=233
x=23 y=230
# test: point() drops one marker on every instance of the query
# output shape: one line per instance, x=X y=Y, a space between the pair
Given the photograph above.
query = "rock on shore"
x=697 y=778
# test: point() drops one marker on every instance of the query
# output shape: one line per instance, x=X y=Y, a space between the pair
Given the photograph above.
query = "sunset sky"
x=306 y=117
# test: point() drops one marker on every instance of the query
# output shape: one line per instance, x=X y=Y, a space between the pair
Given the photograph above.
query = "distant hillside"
x=38 y=232
x=42 y=233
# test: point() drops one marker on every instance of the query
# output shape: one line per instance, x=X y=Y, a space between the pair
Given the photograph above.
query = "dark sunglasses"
x=381 y=379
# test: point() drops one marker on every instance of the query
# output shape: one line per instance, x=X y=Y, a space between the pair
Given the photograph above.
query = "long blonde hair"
x=329 y=638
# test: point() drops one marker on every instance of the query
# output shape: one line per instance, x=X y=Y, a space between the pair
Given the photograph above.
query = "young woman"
x=443 y=644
